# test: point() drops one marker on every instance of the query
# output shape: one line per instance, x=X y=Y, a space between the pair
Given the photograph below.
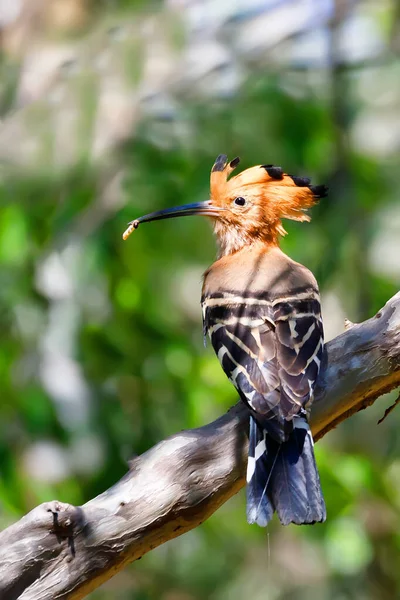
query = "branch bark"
x=59 y=551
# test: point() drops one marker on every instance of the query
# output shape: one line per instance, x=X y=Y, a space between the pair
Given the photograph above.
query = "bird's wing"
x=271 y=351
x=299 y=339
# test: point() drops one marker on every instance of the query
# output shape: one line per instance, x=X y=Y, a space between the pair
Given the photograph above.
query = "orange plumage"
x=269 y=195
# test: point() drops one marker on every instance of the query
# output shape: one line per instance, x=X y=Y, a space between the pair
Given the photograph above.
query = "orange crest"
x=275 y=194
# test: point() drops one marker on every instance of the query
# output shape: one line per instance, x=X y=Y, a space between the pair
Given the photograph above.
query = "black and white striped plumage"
x=262 y=314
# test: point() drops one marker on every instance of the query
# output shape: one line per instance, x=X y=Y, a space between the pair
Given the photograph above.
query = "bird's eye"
x=240 y=201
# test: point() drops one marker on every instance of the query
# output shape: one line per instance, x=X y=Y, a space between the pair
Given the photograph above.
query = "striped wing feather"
x=300 y=346
x=271 y=354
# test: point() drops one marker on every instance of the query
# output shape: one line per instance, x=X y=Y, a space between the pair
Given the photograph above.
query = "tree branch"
x=58 y=551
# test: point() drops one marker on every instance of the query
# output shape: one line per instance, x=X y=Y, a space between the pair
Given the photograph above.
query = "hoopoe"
x=261 y=310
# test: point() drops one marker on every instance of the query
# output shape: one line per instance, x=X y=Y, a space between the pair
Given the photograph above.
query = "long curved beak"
x=206 y=209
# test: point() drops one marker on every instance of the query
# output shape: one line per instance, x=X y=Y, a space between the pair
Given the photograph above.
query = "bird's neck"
x=231 y=239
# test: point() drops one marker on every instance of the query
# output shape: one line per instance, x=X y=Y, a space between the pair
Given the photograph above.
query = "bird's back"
x=262 y=312
x=260 y=272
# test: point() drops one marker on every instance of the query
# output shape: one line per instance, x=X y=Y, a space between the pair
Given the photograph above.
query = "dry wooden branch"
x=58 y=551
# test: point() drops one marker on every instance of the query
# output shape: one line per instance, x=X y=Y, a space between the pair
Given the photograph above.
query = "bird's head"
x=248 y=207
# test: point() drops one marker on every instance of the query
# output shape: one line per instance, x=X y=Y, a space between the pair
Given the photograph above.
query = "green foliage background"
x=126 y=316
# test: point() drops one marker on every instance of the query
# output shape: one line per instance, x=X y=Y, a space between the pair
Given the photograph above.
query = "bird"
x=262 y=312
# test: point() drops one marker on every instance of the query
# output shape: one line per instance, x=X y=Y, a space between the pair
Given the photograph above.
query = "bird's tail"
x=283 y=477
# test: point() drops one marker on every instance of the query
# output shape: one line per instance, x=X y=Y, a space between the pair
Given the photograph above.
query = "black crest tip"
x=301 y=181
x=273 y=172
x=319 y=191
x=220 y=163
x=234 y=162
